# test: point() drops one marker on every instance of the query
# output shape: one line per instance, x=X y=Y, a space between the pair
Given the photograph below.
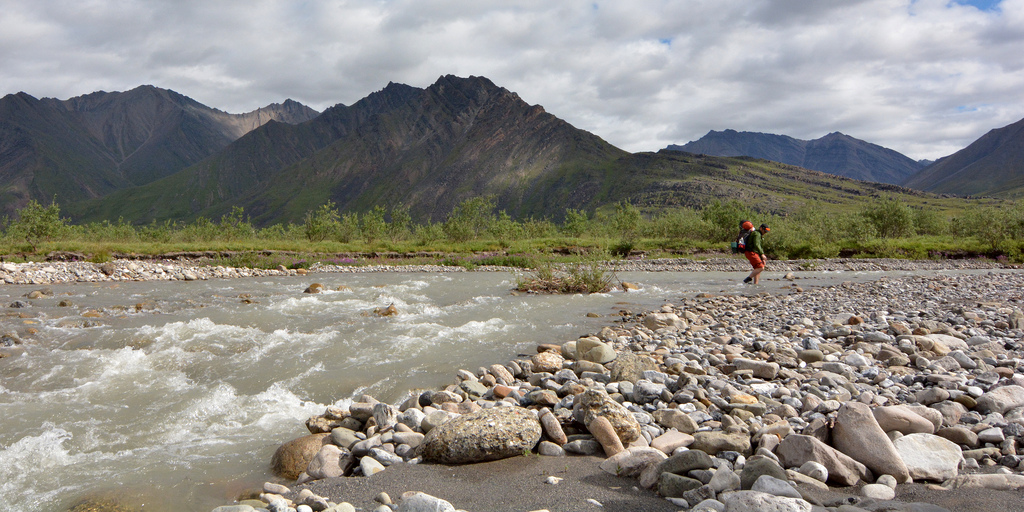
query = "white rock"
x=745 y=501
x=655 y=321
x=929 y=457
x=370 y=466
x=422 y=502
x=725 y=479
x=774 y=486
x=887 y=480
x=878 y=491
x=632 y=461
x=998 y=482
x=709 y=506
x=814 y=470
x=1001 y=399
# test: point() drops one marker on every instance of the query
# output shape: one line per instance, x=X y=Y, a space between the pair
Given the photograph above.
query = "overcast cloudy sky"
x=923 y=77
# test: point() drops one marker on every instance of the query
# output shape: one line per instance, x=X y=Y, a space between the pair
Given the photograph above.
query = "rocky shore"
x=894 y=394
x=838 y=398
x=55 y=272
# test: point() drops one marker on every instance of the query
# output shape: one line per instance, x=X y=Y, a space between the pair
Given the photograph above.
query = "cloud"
x=924 y=77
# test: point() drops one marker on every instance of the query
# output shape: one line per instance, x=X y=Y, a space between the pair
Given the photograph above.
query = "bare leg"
x=756 y=275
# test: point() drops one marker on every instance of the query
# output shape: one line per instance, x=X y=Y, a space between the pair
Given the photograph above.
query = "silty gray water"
x=176 y=397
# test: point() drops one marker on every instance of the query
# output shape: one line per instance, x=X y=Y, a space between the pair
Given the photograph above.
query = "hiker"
x=754 y=250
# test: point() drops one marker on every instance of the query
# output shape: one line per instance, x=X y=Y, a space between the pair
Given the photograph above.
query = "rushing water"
x=178 y=395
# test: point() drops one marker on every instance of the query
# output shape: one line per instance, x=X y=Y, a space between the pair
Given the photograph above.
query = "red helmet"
x=747 y=225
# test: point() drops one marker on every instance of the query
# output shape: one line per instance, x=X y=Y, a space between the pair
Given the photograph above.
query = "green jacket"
x=754 y=243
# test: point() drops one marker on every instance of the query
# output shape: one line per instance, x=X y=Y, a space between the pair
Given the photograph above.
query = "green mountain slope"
x=428 y=148
x=993 y=165
x=461 y=138
x=45 y=155
x=88 y=146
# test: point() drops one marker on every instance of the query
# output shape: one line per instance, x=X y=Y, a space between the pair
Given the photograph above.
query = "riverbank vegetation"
x=475 y=234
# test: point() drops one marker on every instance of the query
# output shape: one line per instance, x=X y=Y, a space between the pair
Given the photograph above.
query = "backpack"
x=740 y=245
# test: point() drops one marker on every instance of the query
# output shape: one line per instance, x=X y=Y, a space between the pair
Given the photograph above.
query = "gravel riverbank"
x=835 y=398
x=902 y=393
x=54 y=272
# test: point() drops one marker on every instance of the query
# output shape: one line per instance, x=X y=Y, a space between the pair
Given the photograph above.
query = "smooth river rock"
x=1001 y=399
x=929 y=457
x=293 y=457
x=796 y=450
x=857 y=434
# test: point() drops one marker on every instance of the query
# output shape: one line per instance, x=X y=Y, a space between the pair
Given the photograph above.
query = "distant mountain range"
x=153 y=154
x=428 y=148
x=89 y=146
x=834 y=153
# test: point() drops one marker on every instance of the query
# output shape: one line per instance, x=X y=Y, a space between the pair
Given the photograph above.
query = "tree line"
x=883 y=226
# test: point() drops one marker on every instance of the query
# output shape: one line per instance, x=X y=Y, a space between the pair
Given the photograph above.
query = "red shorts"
x=755 y=259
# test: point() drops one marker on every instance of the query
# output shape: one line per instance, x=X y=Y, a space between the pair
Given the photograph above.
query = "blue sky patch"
x=983 y=5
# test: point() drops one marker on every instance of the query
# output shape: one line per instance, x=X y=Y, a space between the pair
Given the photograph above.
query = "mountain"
x=428 y=148
x=89 y=146
x=991 y=166
x=834 y=153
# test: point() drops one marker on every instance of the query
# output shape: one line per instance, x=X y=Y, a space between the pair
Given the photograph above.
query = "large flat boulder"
x=929 y=457
x=488 y=434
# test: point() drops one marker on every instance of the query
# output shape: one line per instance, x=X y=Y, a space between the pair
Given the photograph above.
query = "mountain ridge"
x=426 y=148
x=90 y=145
x=835 y=153
x=429 y=148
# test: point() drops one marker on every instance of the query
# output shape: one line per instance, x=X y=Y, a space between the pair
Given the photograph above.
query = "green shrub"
x=724 y=218
x=680 y=224
x=510 y=260
x=587 y=277
x=348 y=228
x=622 y=248
x=321 y=223
x=36 y=224
x=930 y=222
x=469 y=219
x=890 y=217
x=428 y=232
x=101 y=256
x=398 y=228
x=236 y=225
x=373 y=224
x=626 y=221
x=576 y=222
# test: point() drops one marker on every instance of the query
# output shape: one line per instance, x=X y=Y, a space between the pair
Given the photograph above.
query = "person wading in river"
x=754 y=251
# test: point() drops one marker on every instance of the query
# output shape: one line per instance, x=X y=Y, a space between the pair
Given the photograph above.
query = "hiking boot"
x=748 y=280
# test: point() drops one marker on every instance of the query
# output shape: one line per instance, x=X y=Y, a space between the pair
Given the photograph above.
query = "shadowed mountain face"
x=991 y=166
x=428 y=148
x=834 y=153
x=89 y=146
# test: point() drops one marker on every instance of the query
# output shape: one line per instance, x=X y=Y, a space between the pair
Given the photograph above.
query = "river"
x=175 y=396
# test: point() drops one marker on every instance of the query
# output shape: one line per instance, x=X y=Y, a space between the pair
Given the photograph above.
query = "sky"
x=923 y=77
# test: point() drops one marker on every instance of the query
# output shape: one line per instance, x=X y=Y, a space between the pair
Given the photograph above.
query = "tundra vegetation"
x=476 y=233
